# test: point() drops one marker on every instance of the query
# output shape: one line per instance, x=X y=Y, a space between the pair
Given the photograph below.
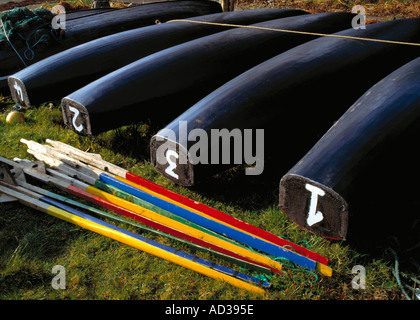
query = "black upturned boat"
x=164 y=84
x=294 y=97
x=376 y=134
x=88 y=27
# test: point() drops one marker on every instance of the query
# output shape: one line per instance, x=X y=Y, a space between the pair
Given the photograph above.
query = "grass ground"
x=97 y=268
x=31 y=243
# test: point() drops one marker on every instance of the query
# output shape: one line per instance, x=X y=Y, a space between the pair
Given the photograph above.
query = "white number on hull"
x=314 y=216
x=19 y=91
x=172 y=165
x=75 y=116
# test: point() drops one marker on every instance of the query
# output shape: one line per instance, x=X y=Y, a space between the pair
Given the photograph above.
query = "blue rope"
x=29 y=53
x=14 y=49
x=29 y=50
x=397 y=276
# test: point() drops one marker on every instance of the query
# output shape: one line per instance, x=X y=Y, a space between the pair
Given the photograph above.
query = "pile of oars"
x=158 y=210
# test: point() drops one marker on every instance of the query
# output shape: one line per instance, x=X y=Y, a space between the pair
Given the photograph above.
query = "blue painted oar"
x=52 y=195
x=179 y=253
x=114 y=233
x=94 y=160
x=233 y=233
x=226 y=230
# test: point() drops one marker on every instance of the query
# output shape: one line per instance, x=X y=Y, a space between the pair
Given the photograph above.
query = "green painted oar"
x=128 y=209
x=97 y=211
x=50 y=158
x=152 y=247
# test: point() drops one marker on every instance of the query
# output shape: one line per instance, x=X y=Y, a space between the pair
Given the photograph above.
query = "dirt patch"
x=13 y=4
x=50 y=3
x=379 y=11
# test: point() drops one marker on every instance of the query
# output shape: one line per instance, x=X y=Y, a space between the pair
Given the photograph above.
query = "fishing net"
x=30 y=29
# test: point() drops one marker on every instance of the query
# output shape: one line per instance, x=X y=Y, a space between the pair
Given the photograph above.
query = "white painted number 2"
x=18 y=90
x=314 y=216
x=172 y=165
x=76 y=115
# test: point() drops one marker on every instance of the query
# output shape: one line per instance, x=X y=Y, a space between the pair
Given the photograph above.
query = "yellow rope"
x=294 y=31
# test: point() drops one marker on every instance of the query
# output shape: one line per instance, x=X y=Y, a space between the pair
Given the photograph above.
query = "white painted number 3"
x=314 y=216
x=172 y=165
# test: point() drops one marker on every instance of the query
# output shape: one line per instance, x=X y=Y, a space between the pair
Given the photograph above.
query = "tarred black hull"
x=294 y=97
x=88 y=27
x=163 y=85
x=365 y=157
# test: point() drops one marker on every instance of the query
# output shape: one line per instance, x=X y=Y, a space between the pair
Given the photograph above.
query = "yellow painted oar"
x=64 y=151
x=182 y=227
x=322 y=268
x=126 y=239
x=63 y=181
x=57 y=153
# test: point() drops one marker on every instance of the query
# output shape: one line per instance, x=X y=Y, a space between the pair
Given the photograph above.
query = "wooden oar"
x=136 y=212
x=131 y=239
x=94 y=210
x=85 y=174
x=96 y=161
x=83 y=215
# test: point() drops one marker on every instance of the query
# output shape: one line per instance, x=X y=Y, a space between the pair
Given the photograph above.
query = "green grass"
x=31 y=243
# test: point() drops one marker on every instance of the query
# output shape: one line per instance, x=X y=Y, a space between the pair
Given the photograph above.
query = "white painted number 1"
x=314 y=216
x=172 y=165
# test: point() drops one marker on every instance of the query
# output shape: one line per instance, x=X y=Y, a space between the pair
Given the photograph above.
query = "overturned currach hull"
x=316 y=192
x=162 y=85
x=294 y=97
x=88 y=27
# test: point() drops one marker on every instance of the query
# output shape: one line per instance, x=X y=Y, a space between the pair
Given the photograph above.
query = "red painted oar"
x=219 y=215
x=78 y=189
x=106 y=204
x=51 y=157
x=96 y=160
